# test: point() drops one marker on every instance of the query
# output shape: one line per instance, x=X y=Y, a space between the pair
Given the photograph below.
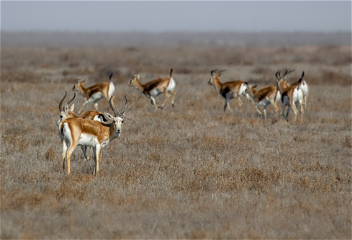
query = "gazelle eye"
x=122 y=121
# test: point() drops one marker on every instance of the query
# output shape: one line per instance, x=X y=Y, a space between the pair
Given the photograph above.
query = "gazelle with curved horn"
x=292 y=97
x=281 y=81
x=228 y=90
x=94 y=93
x=67 y=112
x=270 y=94
x=155 y=87
x=83 y=132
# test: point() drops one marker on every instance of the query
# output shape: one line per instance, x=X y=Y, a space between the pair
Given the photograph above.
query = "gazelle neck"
x=138 y=85
x=217 y=84
x=281 y=86
x=82 y=90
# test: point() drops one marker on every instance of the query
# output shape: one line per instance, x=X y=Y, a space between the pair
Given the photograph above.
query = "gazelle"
x=83 y=132
x=94 y=93
x=305 y=89
x=283 y=84
x=228 y=90
x=292 y=97
x=281 y=81
x=155 y=87
x=67 y=112
x=263 y=97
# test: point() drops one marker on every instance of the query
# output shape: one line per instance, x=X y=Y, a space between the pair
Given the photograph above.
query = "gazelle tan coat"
x=156 y=87
x=228 y=90
x=83 y=132
x=94 y=93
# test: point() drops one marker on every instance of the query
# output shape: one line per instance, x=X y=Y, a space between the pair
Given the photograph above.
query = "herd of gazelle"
x=96 y=129
x=290 y=95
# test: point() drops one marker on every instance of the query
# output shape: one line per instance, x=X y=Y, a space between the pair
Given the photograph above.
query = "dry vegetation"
x=185 y=172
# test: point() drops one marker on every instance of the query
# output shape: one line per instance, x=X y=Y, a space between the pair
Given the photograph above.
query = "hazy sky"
x=192 y=16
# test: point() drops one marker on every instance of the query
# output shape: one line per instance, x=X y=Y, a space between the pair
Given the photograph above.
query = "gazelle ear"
x=72 y=107
x=66 y=108
x=251 y=85
x=108 y=116
x=137 y=76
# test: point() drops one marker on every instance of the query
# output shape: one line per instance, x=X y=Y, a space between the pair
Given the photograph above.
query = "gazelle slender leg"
x=68 y=155
x=96 y=106
x=165 y=101
x=96 y=151
x=64 y=149
x=84 y=150
x=294 y=110
x=79 y=111
x=257 y=109
x=173 y=98
x=273 y=102
x=302 y=112
x=285 y=102
x=239 y=100
x=227 y=104
x=152 y=100
x=227 y=101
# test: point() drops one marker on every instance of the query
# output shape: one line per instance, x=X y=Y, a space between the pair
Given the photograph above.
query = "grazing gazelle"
x=155 y=87
x=263 y=97
x=228 y=90
x=292 y=97
x=83 y=132
x=94 y=93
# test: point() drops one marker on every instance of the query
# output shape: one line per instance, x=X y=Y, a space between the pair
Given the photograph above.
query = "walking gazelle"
x=83 y=132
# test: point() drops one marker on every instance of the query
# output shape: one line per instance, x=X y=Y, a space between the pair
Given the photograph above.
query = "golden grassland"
x=191 y=171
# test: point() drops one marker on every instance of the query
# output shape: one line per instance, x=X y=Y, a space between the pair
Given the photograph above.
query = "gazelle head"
x=118 y=117
x=281 y=79
x=214 y=76
x=78 y=87
x=66 y=111
x=134 y=80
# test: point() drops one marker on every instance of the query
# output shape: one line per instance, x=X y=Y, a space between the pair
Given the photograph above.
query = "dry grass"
x=184 y=172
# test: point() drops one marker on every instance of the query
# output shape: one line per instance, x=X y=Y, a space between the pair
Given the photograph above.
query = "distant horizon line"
x=171 y=31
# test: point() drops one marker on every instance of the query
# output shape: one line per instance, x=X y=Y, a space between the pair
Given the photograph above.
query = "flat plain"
x=189 y=171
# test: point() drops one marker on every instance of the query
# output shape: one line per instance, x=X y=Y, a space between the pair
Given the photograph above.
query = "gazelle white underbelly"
x=155 y=92
x=95 y=97
x=87 y=140
x=172 y=85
